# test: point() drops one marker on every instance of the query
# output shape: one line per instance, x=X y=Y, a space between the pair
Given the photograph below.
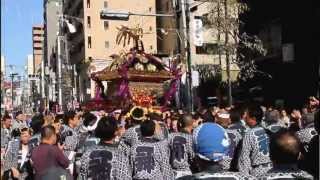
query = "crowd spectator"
x=87 y=136
x=70 y=136
x=16 y=160
x=19 y=121
x=181 y=147
x=284 y=118
x=246 y=141
x=237 y=116
x=296 y=122
x=149 y=156
x=272 y=121
x=235 y=133
x=284 y=153
x=211 y=147
x=223 y=118
x=116 y=114
x=133 y=134
x=37 y=122
x=174 y=125
x=6 y=124
x=57 y=123
x=107 y=160
x=310 y=162
x=48 y=119
x=254 y=157
x=48 y=159
x=197 y=119
x=308 y=132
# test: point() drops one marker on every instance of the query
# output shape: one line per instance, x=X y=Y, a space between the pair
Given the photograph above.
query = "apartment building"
x=37 y=44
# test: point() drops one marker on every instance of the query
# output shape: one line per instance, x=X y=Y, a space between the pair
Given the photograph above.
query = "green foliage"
x=209 y=72
x=241 y=47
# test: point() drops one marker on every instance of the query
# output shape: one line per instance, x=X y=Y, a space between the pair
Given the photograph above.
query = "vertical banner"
x=198 y=32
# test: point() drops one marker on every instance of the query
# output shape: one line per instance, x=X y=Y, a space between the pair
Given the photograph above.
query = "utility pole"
x=186 y=33
x=225 y=3
x=75 y=99
x=43 y=95
x=60 y=38
x=12 y=75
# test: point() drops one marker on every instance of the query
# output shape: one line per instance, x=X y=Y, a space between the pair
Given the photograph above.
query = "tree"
x=239 y=47
x=235 y=46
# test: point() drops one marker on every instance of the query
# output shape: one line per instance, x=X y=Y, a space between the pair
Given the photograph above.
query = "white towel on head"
x=224 y=115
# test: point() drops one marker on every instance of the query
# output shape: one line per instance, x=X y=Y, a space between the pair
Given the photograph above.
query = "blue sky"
x=17 y=18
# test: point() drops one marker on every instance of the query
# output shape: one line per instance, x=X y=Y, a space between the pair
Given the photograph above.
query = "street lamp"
x=112 y=15
x=124 y=15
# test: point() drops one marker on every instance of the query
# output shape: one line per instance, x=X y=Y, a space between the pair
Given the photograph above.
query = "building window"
x=105 y=4
x=88 y=3
x=208 y=48
x=106 y=25
x=150 y=9
x=90 y=58
x=167 y=6
x=151 y=47
x=89 y=41
x=106 y=44
x=150 y=28
x=89 y=21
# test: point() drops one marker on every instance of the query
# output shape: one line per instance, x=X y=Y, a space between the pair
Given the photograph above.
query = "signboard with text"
x=198 y=32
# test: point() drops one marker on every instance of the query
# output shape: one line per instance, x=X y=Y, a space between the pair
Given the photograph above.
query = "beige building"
x=207 y=53
x=37 y=44
x=30 y=69
x=94 y=40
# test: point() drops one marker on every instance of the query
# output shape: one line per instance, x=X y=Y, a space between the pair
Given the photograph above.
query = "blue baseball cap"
x=211 y=142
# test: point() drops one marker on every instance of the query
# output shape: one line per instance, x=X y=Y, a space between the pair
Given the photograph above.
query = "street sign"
x=198 y=32
x=195 y=79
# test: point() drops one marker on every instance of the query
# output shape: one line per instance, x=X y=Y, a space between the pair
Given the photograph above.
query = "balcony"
x=37 y=31
x=37 y=45
x=38 y=38
x=37 y=51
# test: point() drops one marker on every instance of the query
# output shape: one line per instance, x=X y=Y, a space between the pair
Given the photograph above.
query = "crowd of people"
x=246 y=141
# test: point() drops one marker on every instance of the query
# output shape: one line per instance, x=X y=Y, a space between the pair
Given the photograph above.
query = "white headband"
x=224 y=115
